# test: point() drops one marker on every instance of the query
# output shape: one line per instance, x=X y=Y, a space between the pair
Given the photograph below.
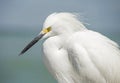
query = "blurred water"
x=28 y=68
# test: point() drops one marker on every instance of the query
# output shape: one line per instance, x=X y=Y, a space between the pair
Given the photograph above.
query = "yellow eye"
x=49 y=29
x=46 y=30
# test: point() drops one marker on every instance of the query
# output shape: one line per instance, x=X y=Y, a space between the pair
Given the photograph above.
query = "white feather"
x=74 y=54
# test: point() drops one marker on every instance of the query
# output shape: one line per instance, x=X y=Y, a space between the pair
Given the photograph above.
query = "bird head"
x=57 y=24
x=62 y=23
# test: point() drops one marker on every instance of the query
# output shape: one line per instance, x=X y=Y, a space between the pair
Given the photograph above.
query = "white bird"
x=74 y=54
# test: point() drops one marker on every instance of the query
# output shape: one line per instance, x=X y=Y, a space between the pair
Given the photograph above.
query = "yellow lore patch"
x=46 y=30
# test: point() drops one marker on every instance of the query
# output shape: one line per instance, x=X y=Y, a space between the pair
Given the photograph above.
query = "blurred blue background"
x=21 y=21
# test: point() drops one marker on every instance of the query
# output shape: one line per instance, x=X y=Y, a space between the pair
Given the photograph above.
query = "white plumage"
x=74 y=54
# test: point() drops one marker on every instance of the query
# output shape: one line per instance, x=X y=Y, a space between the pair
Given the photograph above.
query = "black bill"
x=35 y=40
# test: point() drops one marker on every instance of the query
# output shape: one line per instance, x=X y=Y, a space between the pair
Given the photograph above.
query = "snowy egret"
x=74 y=54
